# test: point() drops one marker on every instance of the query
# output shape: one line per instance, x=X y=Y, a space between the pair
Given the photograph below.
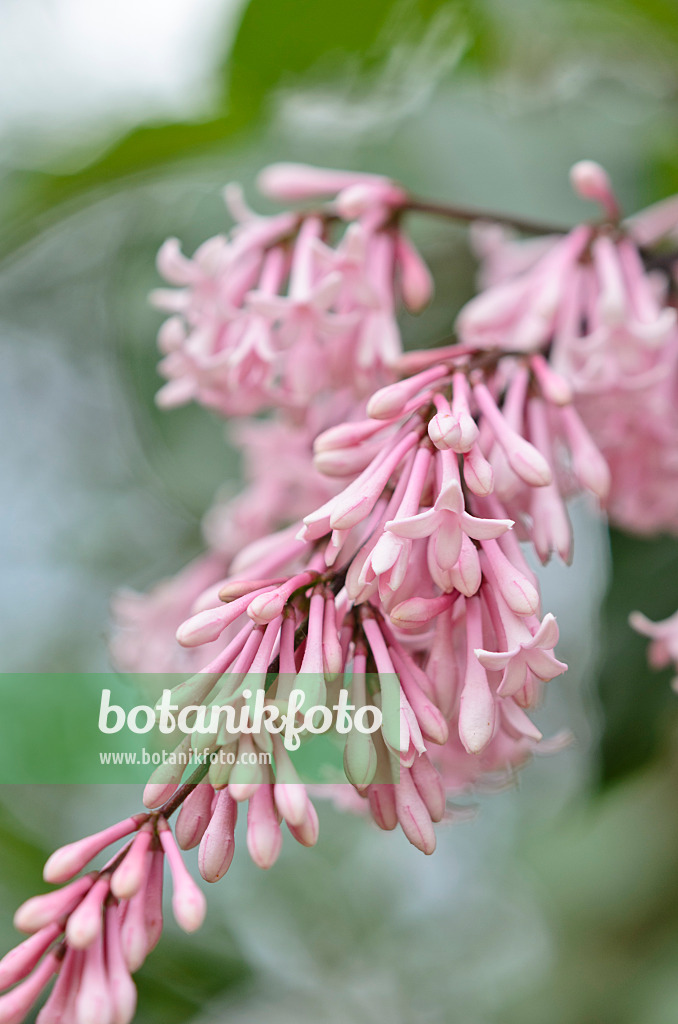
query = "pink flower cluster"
x=97 y=930
x=413 y=573
x=290 y=306
x=376 y=546
x=663 y=649
x=600 y=302
x=605 y=316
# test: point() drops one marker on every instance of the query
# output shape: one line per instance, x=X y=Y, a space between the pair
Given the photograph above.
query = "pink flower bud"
x=21 y=960
x=217 y=846
x=509 y=544
x=356 y=502
x=360 y=755
x=413 y=816
x=466 y=575
x=307 y=831
x=443 y=428
x=165 y=778
x=383 y=805
x=431 y=722
x=85 y=923
x=389 y=401
x=157 y=793
x=589 y=466
x=188 y=902
x=15 y=1004
x=478 y=475
x=357 y=200
x=461 y=410
x=312 y=664
x=590 y=181
x=67 y=861
x=612 y=302
x=129 y=876
x=174 y=266
x=416 y=282
x=401 y=732
x=133 y=934
x=288 y=665
x=291 y=801
x=266 y=607
x=411 y=739
x=417 y=611
x=551 y=527
x=443 y=668
x=207 y=626
x=289 y=182
x=264 y=838
x=338 y=462
x=477 y=712
x=175 y=393
x=171 y=335
x=93 y=1002
x=194 y=816
x=551 y=530
x=60 y=1006
x=429 y=786
x=555 y=388
x=524 y=459
x=360 y=758
x=453 y=427
x=247 y=774
x=333 y=656
x=347 y=435
x=234 y=589
x=39 y=911
x=520 y=594
x=123 y=993
x=152 y=893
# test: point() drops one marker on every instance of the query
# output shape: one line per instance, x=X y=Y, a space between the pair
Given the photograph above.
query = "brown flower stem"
x=175 y=801
x=468 y=214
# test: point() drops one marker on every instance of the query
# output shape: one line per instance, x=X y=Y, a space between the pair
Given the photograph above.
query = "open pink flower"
x=448 y=520
x=531 y=653
x=663 y=649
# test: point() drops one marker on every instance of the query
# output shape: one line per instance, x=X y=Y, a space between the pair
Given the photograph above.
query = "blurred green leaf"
x=660 y=14
x=280 y=43
x=21 y=859
x=637 y=701
x=277 y=42
x=609 y=876
x=178 y=979
x=34 y=200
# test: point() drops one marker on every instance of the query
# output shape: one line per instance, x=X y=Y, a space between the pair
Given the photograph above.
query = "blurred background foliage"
x=120 y=122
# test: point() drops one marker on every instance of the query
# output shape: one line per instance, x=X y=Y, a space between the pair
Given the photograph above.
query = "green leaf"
x=279 y=40
x=21 y=859
x=277 y=43
x=32 y=201
x=178 y=978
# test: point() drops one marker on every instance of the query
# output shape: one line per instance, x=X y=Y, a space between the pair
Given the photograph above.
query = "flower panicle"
x=288 y=307
x=406 y=585
x=597 y=305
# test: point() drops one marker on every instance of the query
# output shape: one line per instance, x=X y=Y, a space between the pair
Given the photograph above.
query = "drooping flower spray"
x=380 y=541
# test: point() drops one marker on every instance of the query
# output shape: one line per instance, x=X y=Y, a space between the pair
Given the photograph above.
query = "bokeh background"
x=120 y=120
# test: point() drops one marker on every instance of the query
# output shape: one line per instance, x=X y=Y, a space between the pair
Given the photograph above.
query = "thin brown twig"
x=469 y=214
x=183 y=792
